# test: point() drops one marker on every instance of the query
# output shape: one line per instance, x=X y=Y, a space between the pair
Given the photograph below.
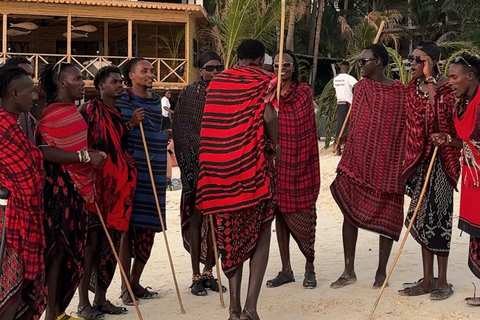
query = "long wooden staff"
x=405 y=237
x=280 y=54
x=161 y=219
x=122 y=271
x=217 y=266
x=336 y=144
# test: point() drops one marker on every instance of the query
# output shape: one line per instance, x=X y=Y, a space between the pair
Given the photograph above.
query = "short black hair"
x=379 y=52
x=7 y=75
x=250 y=49
x=128 y=67
x=15 y=61
x=345 y=63
x=103 y=74
x=472 y=60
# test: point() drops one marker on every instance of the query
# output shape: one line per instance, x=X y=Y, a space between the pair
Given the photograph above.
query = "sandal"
x=250 y=315
x=281 y=279
x=64 y=316
x=411 y=284
x=89 y=313
x=209 y=281
x=236 y=313
x=442 y=293
x=110 y=308
x=127 y=300
x=310 y=280
x=343 y=281
x=197 y=288
x=415 y=291
x=146 y=294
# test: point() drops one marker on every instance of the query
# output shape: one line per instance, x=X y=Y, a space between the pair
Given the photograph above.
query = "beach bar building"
x=96 y=33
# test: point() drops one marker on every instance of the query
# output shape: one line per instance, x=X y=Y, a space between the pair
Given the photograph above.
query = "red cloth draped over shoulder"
x=64 y=128
x=115 y=181
x=298 y=168
x=422 y=121
x=232 y=142
x=468 y=129
x=377 y=137
x=21 y=172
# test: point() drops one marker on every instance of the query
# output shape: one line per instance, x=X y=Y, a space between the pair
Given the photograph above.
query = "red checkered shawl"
x=63 y=127
x=298 y=167
x=424 y=120
x=21 y=172
x=232 y=142
x=376 y=144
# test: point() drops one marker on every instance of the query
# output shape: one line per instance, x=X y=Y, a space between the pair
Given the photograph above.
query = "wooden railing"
x=167 y=70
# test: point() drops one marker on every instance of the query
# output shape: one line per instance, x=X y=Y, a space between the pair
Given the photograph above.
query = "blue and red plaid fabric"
x=21 y=172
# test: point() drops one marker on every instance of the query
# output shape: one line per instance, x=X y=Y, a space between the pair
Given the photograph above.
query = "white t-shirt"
x=343 y=84
x=165 y=103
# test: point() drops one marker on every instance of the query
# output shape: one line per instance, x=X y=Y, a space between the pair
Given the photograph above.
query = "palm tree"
x=321 y=6
x=238 y=20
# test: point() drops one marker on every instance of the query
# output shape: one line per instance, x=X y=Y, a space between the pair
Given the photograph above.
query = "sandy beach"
x=292 y=301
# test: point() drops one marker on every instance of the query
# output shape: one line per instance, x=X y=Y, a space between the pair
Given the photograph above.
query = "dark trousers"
x=166 y=123
x=342 y=110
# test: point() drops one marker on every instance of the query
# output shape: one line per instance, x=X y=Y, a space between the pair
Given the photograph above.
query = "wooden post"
x=69 y=37
x=4 y=38
x=130 y=39
x=105 y=38
x=156 y=41
x=137 y=39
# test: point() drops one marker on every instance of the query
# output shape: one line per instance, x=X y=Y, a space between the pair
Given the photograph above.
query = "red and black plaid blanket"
x=21 y=172
x=298 y=168
x=232 y=142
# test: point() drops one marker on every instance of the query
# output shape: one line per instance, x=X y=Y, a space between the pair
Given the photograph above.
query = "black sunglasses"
x=461 y=60
x=284 y=65
x=364 y=61
x=219 y=68
x=412 y=58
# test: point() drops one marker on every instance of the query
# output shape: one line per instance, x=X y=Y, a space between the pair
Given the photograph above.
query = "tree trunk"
x=291 y=25
x=345 y=5
x=308 y=9
x=318 y=30
x=313 y=22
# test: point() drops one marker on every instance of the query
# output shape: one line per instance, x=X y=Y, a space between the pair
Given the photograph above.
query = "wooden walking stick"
x=147 y=155
x=217 y=267
x=336 y=144
x=405 y=237
x=280 y=54
x=122 y=271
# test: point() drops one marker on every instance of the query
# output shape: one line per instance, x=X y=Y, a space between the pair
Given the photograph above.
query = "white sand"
x=292 y=301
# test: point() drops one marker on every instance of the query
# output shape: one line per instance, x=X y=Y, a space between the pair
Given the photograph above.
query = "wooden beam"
x=69 y=37
x=4 y=38
x=156 y=41
x=105 y=38
x=137 y=39
x=187 y=49
x=130 y=39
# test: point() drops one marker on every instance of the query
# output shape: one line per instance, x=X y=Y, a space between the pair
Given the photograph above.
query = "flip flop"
x=281 y=279
x=110 y=308
x=212 y=284
x=442 y=294
x=197 y=288
x=236 y=313
x=473 y=301
x=249 y=314
x=342 y=282
x=127 y=300
x=415 y=291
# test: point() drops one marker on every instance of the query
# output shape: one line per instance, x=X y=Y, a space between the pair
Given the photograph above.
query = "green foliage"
x=244 y=19
x=473 y=51
x=326 y=111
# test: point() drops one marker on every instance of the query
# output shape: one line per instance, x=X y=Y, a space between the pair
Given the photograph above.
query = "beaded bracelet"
x=80 y=156
x=129 y=126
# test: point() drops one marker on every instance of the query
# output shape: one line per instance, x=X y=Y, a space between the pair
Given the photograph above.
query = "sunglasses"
x=219 y=68
x=284 y=65
x=412 y=58
x=461 y=60
x=58 y=65
x=364 y=61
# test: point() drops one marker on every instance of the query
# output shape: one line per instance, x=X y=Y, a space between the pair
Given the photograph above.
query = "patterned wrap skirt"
x=432 y=227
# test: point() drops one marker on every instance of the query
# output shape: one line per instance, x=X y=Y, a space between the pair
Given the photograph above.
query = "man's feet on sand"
x=235 y=314
x=379 y=279
x=89 y=313
x=110 y=308
x=442 y=293
x=145 y=293
x=416 y=290
x=281 y=279
x=310 y=280
x=249 y=315
x=344 y=280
